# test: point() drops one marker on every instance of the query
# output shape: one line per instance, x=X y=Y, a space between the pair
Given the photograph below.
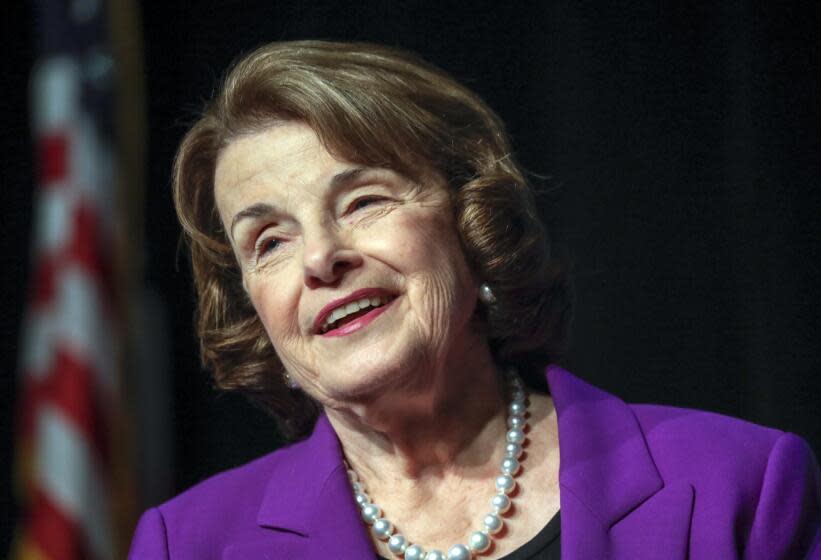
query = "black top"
x=544 y=546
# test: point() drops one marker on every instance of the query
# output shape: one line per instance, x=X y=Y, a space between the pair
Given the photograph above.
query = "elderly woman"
x=371 y=269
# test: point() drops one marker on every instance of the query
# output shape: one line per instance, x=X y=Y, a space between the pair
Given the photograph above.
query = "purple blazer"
x=636 y=482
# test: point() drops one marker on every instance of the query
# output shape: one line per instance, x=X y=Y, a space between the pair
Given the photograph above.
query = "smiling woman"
x=370 y=268
x=334 y=235
x=389 y=128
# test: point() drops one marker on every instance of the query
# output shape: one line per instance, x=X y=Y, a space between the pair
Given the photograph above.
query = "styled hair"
x=382 y=107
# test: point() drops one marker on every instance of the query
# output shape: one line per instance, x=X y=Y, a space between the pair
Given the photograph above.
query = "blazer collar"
x=613 y=499
x=604 y=458
x=309 y=494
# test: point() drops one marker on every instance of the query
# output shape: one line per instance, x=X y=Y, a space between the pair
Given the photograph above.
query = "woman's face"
x=356 y=273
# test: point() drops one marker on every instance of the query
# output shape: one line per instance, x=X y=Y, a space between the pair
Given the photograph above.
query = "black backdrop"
x=681 y=147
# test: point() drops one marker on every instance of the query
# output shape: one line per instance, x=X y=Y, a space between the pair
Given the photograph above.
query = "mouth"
x=352 y=312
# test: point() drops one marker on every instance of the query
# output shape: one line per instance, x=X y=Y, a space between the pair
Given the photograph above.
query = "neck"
x=450 y=420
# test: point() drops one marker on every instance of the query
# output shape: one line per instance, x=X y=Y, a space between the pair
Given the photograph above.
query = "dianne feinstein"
x=371 y=269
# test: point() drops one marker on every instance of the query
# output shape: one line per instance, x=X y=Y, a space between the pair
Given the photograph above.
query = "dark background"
x=681 y=146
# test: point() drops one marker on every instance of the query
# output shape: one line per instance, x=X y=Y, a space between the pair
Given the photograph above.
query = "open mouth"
x=353 y=310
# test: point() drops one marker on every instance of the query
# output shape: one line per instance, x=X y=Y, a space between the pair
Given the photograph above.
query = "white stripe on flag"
x=69 y=475
x=55 y=210
x=91 y=170
x=56 y=90
x=38 y=344
x=76 y=321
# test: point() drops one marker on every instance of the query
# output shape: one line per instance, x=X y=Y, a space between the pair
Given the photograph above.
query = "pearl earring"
x=289 y=381
x=486 y=294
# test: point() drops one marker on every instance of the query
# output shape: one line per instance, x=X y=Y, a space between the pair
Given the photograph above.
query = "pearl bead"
x=435 y=555
x=517 y=395
x=500 y=503
x=459 y=552
x=517 y=408
x=357 y=487
x=370 y=513
x=493 y=523
x=397 y=544
x=352 y=476
x=505 y=483
x=513 y=450
x=486 y=295
x=517 y=422
x=479 y=541
x=382 y=528
x=510 y=466
x=515 y=435
x=362 y=499
x=414 y=552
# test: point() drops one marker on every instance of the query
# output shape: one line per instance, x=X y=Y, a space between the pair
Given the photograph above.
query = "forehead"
x=284 y=154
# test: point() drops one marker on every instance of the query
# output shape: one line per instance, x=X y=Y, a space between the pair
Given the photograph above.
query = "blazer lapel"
x=310 y=501
x=614 y=502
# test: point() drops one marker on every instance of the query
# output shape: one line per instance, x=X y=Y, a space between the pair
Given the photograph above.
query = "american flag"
x=69 y=406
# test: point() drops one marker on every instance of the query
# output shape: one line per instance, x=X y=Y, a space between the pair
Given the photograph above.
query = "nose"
x=327 y=258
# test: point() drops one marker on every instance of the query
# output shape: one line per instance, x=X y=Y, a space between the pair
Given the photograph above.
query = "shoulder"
x=766 y=479
x=752 y=488
x=241 y=484
x=704 y=446
x=700 y=435
x=220 y=510
x=235 y=490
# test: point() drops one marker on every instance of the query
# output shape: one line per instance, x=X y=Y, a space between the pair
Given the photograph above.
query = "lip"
x=359 y=322
x=353 y=296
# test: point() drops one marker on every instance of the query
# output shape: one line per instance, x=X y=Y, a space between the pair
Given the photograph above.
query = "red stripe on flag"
x=87 y=245
x=84 y=247
x=44 y=281
x=55 y=532
x=71 y=387
x=53 y=158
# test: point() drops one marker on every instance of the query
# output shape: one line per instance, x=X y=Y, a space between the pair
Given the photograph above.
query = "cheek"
x=429 y=254
x=274 y=309
x=426 y=240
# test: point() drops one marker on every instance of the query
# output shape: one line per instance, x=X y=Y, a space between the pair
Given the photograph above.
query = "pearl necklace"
x=479 y=541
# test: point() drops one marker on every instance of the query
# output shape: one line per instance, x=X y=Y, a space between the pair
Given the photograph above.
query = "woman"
x=371 y=269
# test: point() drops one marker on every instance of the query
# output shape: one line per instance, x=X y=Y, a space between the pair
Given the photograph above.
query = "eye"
x=363 y=202
x=266 y=245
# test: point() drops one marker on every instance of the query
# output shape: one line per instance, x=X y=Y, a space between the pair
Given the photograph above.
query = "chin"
x=366 y=381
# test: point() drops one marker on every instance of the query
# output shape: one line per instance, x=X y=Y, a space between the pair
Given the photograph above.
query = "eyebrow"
x=254 y=211
x=260 y=209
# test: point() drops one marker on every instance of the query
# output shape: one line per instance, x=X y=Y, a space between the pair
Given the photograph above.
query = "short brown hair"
x=383 y=107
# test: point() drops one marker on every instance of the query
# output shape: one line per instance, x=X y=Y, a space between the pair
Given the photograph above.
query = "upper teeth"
x=352 y=307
